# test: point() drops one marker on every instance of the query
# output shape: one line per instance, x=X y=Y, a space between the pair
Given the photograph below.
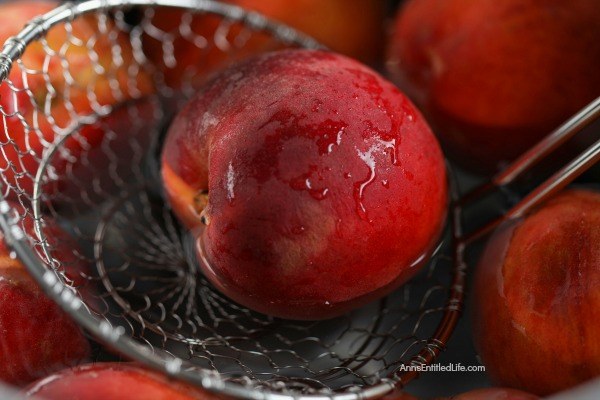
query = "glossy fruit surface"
x=319 y=184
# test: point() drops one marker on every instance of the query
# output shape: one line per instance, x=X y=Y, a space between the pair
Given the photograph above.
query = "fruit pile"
x=309 y=183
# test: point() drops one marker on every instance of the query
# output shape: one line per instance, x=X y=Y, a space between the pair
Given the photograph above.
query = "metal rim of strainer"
x=113 y=336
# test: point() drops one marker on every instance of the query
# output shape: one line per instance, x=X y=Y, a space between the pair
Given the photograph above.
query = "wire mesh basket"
x=80 y=138
x=80 y=149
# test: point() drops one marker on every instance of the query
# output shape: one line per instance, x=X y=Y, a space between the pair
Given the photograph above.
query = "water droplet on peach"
x=299 y=229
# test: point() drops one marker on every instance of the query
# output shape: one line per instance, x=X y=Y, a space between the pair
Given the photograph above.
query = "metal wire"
x=565 y=175
x=142 y=294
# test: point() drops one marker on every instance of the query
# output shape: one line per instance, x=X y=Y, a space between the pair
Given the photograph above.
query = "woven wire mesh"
x=84 y=109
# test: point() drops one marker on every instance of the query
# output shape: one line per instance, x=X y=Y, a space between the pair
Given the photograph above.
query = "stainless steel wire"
x=95 y=173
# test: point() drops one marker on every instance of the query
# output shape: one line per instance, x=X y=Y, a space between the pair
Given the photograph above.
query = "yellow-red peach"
x=83 y=75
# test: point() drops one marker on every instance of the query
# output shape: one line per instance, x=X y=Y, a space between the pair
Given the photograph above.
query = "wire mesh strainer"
x=87 y=159
x=84 y=154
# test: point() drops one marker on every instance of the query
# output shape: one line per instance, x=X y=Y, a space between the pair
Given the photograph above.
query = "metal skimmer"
x=142 y=295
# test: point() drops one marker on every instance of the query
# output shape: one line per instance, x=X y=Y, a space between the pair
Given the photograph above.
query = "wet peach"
x=316 y=184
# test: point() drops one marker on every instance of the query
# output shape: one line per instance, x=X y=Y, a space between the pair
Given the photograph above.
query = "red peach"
x=31 y=98
x=320 y=185
x=37 y=337
x=495 y=77
x=536 y=299
x=114 y=381
x=354 y=28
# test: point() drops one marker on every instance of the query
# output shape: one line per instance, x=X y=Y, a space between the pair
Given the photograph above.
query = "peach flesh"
x=325 y=188
x=494 y=77
x=536 y=298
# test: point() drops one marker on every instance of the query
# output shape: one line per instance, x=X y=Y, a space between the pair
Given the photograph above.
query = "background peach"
x=493 y=76
x=35 y=114
x=37 y=337
x=535 y=300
